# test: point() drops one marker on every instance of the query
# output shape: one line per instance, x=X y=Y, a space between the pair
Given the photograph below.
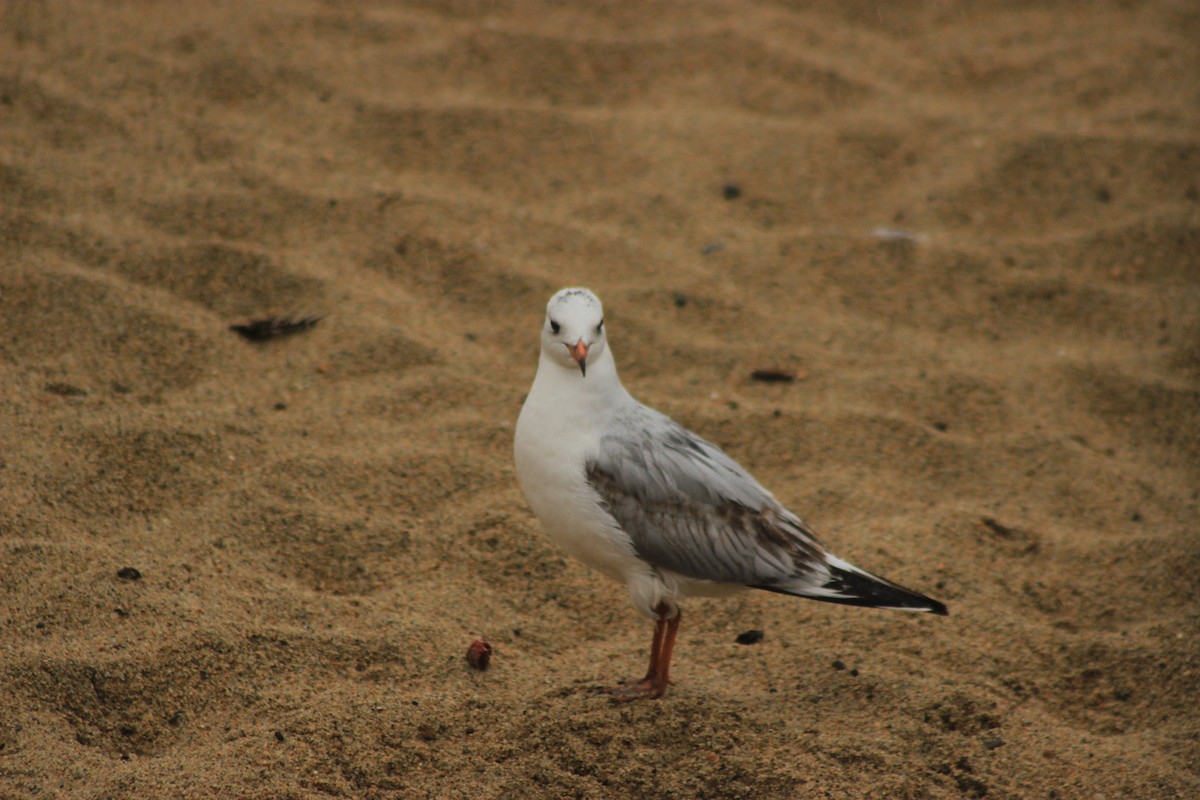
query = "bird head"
x=573 y=331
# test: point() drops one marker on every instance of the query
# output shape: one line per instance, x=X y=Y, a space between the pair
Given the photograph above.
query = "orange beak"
x=579 y=353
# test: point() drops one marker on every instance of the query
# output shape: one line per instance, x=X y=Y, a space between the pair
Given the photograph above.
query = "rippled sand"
x=971 y=233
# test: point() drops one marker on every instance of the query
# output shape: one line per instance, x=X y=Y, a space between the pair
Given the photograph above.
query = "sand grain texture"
x=971 y=232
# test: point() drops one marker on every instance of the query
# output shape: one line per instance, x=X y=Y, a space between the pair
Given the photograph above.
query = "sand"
x=971 y=232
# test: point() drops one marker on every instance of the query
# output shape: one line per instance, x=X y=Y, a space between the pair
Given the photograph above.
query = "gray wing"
x=691 y=509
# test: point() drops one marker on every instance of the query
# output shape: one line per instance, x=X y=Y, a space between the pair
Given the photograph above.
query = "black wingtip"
x=862 y=588
x=851 y=587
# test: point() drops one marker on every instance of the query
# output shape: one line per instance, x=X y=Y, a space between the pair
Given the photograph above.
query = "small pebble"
x=993 y=743
x=66 y=390
x=479 y=654
x=897 y=234
x=731 y=191
x=680 y=299
x=839 y=664
x=749 y=637
x=129 y=574
x=772 y=376
x=279 y=736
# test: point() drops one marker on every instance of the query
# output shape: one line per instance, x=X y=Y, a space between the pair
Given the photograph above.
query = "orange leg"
x=657 y=679
x=660 y=625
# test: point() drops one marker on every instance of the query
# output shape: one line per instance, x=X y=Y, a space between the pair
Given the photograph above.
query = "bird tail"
x=851 y=586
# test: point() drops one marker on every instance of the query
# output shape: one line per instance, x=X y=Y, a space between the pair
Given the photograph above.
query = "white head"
x=573 y=332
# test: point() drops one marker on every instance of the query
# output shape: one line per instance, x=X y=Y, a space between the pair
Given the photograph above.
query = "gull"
x=639 y=498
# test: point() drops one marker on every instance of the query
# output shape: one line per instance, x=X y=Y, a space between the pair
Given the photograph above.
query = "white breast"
x=550 y=456
x=558 y=429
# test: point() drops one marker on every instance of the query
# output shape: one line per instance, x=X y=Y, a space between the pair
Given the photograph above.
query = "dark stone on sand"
x=750 y=637
x=66 y=390
x=772 y=376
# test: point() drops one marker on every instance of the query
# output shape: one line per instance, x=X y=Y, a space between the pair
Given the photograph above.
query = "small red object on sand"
x=479 y=654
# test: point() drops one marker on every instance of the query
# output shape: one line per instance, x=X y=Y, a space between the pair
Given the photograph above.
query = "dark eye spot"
x=600 y=328
x=554 y=326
